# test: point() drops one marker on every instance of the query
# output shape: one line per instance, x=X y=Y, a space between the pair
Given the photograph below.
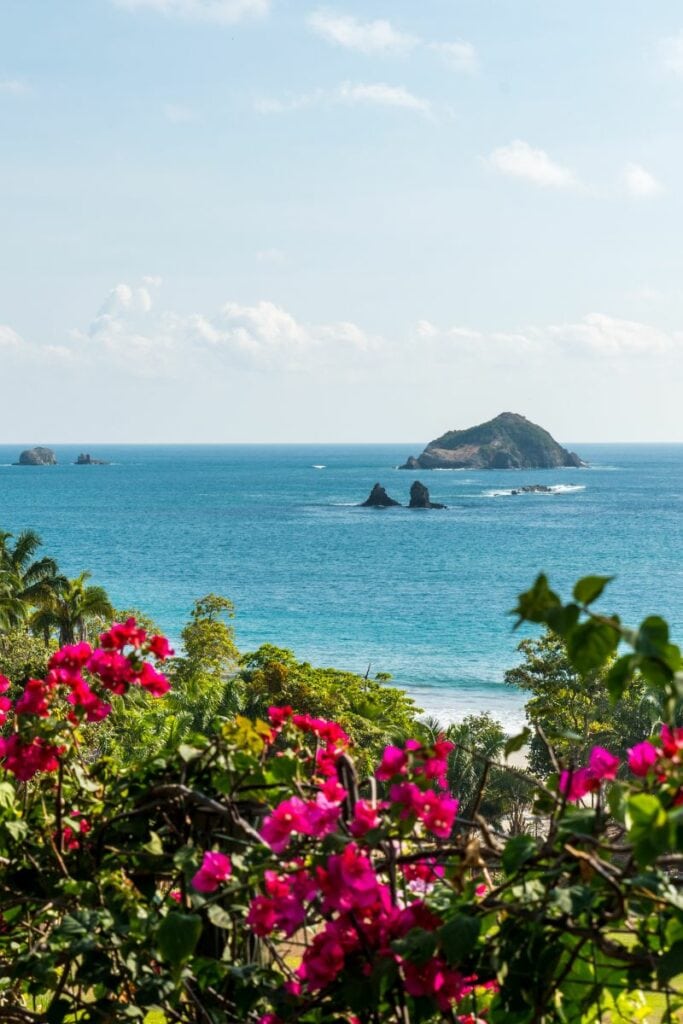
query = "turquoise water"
x=422 y=595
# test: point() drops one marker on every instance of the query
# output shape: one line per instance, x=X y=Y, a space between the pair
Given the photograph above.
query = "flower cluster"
x=414 y=798
x=215 y=868
x=78 y=676
x=601 y=766
x=330 y=738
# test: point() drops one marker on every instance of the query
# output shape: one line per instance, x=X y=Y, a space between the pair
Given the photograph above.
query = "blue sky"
x=269 y=220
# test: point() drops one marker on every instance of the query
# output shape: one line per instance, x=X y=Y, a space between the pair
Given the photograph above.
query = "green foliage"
x=573 y=706
x=372 y=713
x=23 y=655
x=73 y=610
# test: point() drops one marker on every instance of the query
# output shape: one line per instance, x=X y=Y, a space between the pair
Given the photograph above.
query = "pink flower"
x=672 y=741
x=575 y=785
x=394 y=761
x=407 y=796
x=4 y=684
x=437 y=812
x=152 y=681
x=642 y=758
x=33 y=699
x=160 y=648
x=322 y=814
x=602 y=764
x=113 y=669
x=288 y=817
x=215 y=868
x=365 y=817
x=121 y=634
x=278 y=716
x=25 y=760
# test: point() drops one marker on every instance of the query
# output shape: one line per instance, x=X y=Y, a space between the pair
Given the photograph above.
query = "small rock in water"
x=419 y=497
x=378 y=498
x=37 y=457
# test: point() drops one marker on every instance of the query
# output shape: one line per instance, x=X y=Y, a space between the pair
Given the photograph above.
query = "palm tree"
x=73 y=610
x=24 y=581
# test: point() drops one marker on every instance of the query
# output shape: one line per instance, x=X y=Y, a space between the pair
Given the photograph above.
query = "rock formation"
x=378 y=498
x=85 y=459
x=507 y=442
x=419 y=497
x=533 y=489
x=37 y=457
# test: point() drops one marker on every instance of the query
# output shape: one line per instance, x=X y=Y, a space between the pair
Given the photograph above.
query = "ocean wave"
x=318 y=466
x=553 y=489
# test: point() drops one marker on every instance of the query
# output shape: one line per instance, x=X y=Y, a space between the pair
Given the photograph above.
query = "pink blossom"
x=288 y=817
x=25 y=760
x=394 y=761
x=33 y=700
x=672 y=741
x=577 y=784
x=122 y=634
x=407 y=796
x=152 y=681
x=437 y=812
x=160 y=648
x=366 y=816
x=642 y=758
x=602 y=764
x=113 y=669
x=215 y=868
x=278 y=716
x=323 y=815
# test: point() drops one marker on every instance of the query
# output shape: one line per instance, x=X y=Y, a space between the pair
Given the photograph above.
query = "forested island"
x=509 y=441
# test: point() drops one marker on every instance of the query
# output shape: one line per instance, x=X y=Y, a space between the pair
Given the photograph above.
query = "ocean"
x=422 y=595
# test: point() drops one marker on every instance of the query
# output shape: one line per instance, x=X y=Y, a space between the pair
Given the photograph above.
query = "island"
x=37 y=457
x=85 y=459
x=509 y=441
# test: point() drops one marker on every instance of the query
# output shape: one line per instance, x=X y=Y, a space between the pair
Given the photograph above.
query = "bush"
x=253 y=876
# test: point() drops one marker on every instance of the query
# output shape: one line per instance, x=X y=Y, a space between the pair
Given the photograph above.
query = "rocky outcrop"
x=85 y=459
x=37 y=457
x=507 y=442
x=419 y=497
x=378 y=498
x=533 y=489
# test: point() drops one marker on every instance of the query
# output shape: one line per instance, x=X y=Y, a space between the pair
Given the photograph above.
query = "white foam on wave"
x=554 y=489
x=318 y=467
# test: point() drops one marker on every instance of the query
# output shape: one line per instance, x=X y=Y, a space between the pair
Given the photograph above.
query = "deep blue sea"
x=422 y=595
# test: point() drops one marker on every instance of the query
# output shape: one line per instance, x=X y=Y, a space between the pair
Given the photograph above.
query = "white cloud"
x=381 y=94
x=178 y=113
x=225 y=11
x=374 y=93
x=520 y=160
x=9 y=339
x=671 y=50
x=13 y=86
x=640 y=183
x=368 y=37
x=596 y=335
x=461 y=56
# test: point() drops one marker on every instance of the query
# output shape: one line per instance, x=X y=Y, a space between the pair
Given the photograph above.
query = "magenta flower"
x=437 y=813
x=642 y=758
x=288 y=817
x=365 y=817
x=602 y=764
x=215 y=868
x=394 y=761
x=575 y=785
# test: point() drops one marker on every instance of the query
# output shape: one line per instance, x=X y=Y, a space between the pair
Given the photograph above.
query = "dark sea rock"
x=37 y=457
x=419 y=497
x=533 y=489
x=378 y=498
x=85 y=459
x=507 y=442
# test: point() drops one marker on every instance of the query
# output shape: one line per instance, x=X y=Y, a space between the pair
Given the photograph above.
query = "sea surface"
x=423 y=595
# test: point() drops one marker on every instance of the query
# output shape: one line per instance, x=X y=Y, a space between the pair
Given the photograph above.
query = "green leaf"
x=534 y=605
x=188 y=753
x=154 y=846
x=590 y=588
x=219 y=917
x=591 y=644
x=517 y=742
x=517 y=851
x=649 y=828
x=620 y=675
x=7 y=795
x=17 y=829
x=671 y=963
x=653 y=637
x=458 y=938
x=177 y=936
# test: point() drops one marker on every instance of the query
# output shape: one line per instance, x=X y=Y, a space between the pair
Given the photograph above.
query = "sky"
x=374 y=220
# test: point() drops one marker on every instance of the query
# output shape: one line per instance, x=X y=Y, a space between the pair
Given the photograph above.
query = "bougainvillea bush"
x=251 y=875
